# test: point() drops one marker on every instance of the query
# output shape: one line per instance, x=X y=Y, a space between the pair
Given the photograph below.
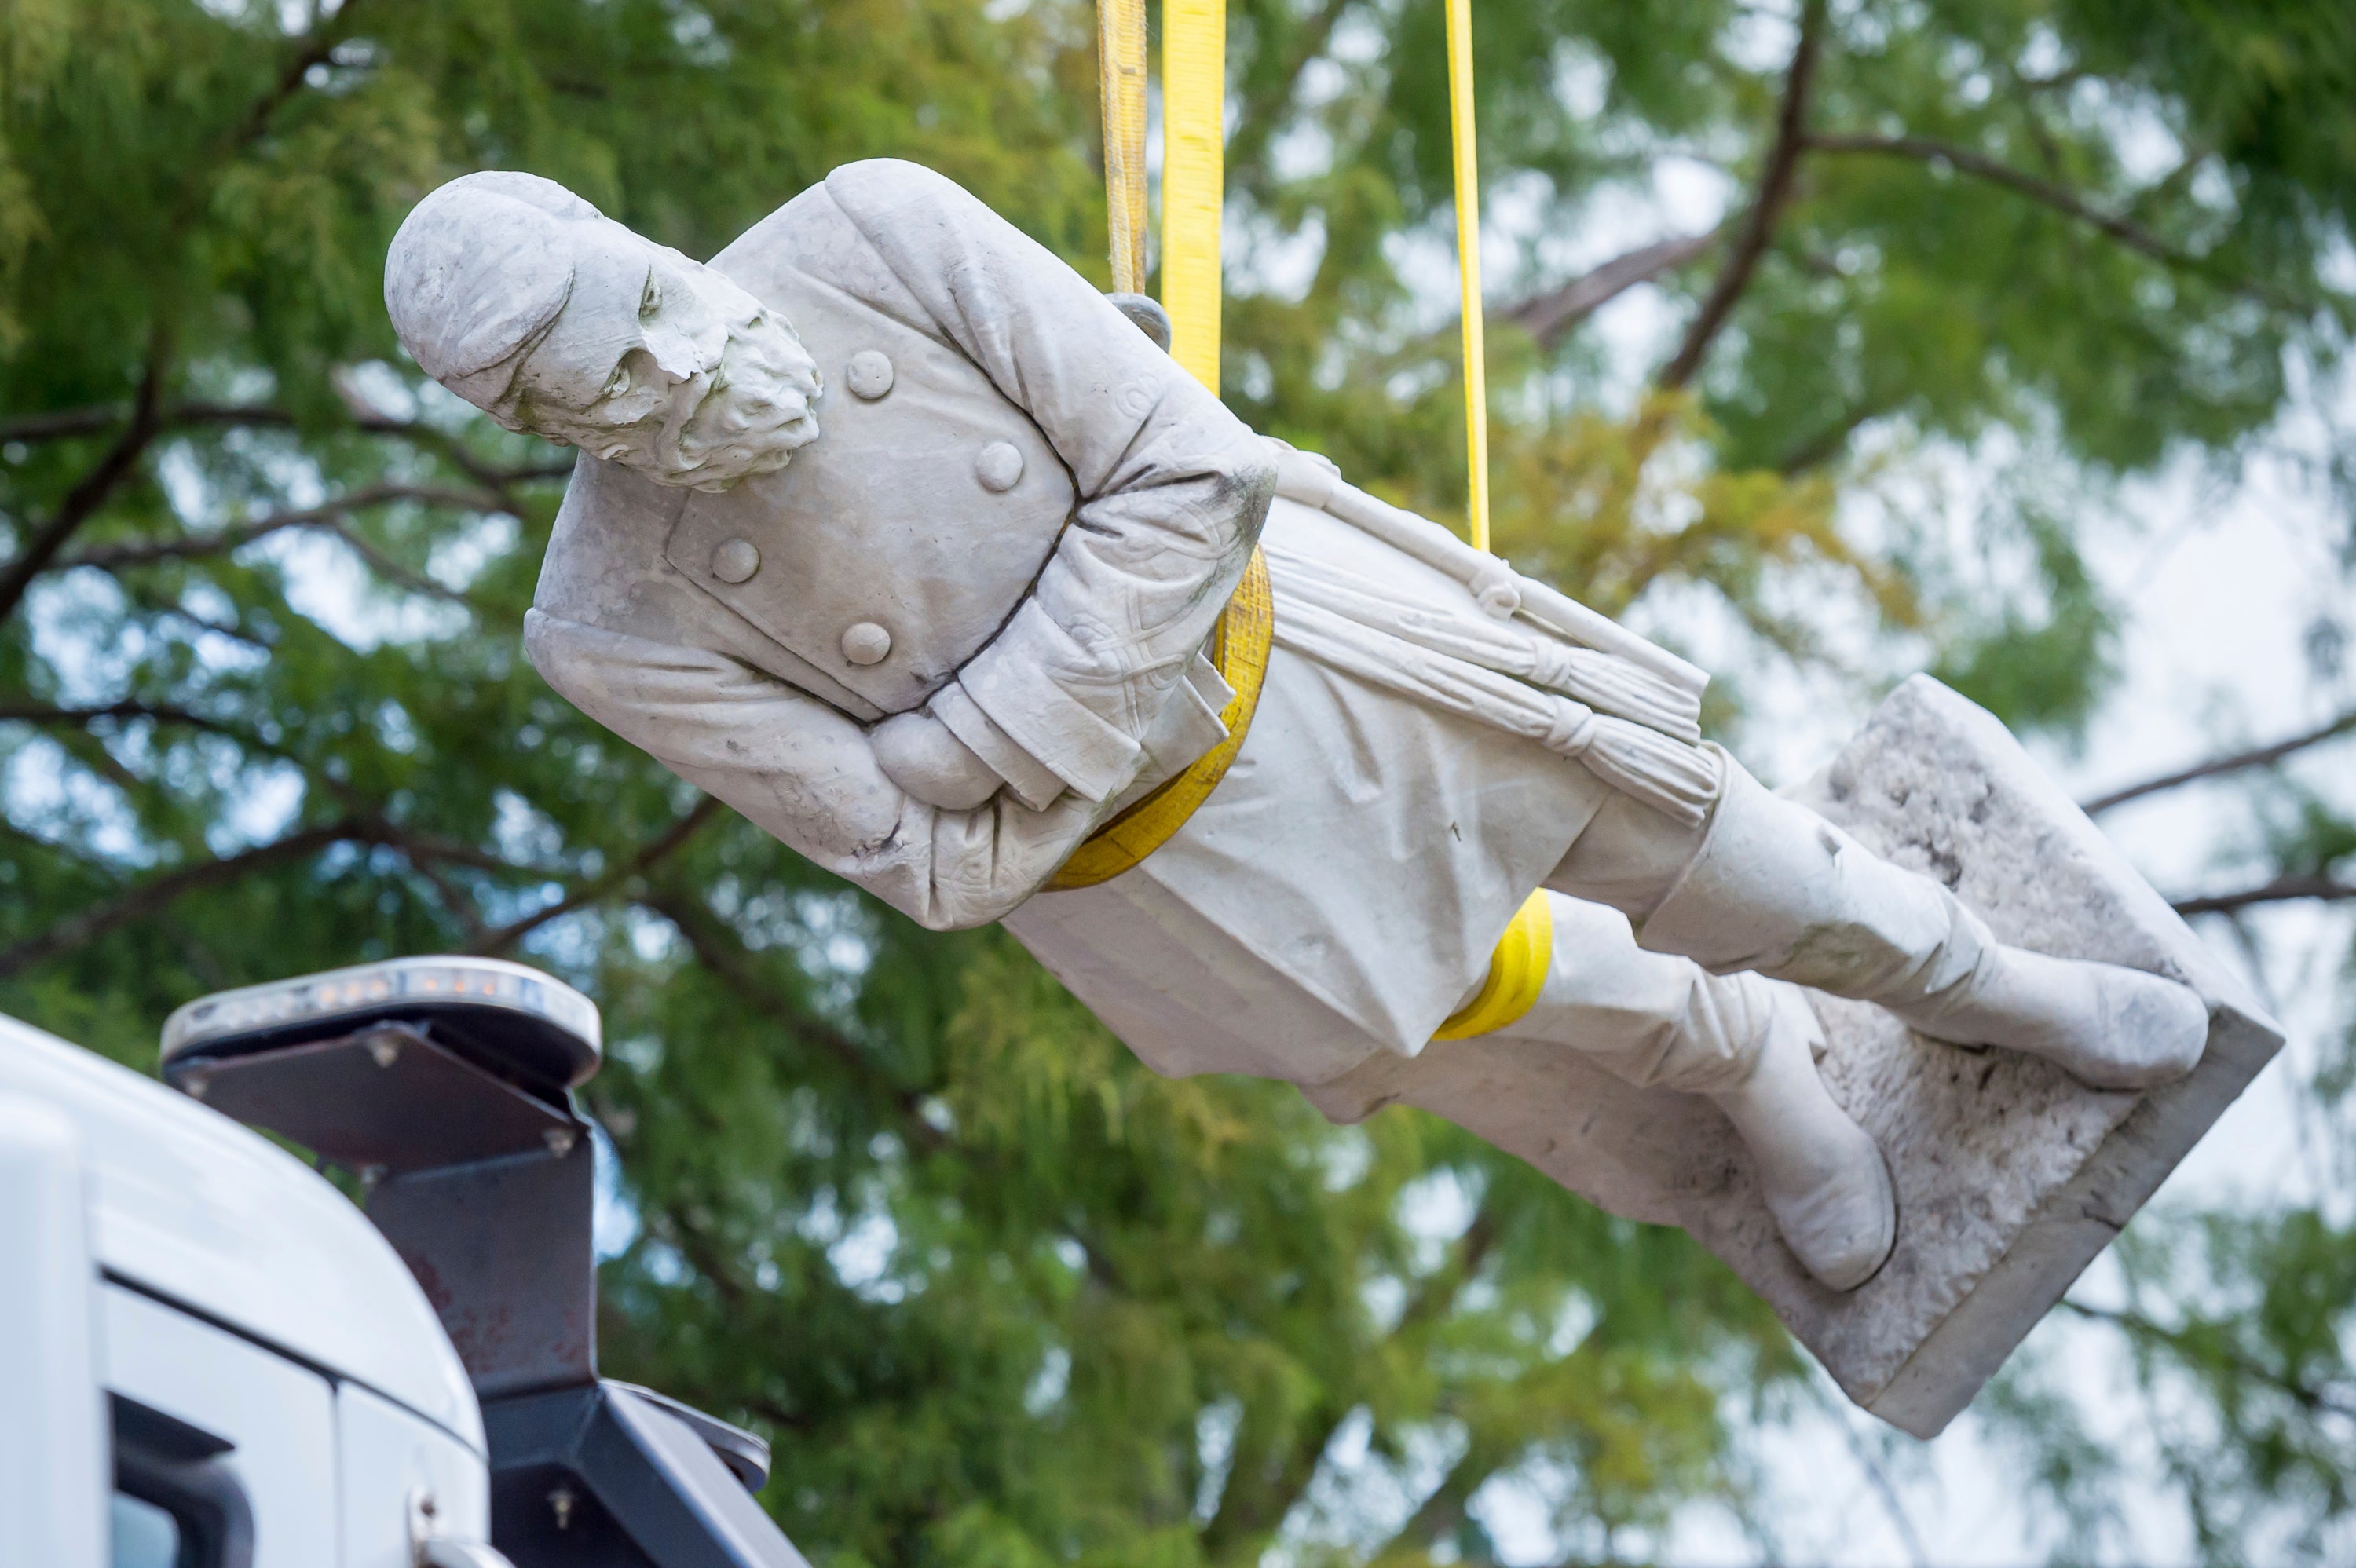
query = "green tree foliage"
x=998 y=1296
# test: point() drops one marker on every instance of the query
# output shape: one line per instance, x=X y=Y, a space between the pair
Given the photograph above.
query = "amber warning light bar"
x=530 y=1022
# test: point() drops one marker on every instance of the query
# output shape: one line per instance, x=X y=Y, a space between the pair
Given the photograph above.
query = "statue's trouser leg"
x=1775 y=889
x=1746 y=1042
x=1656 y=1021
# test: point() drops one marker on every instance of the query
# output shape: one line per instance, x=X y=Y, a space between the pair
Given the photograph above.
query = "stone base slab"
x=2010 y=1175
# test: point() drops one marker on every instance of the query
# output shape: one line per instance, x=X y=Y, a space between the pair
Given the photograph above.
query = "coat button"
x=869 y=375
x=735 y=561
x=998 y=466
x=866 y=643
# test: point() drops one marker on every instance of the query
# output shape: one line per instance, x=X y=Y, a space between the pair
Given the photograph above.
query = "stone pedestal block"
x=2010 y=1176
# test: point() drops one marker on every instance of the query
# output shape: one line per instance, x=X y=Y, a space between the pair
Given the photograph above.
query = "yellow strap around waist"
x=1239 y=649
x=1517 y=972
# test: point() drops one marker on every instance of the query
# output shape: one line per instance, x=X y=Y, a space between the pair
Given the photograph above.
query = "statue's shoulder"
x=810 y=237
x=603 y=494
x=831 y=231
x=873 y=187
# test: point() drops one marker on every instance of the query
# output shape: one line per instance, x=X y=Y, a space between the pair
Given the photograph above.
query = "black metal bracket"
x=502 y=1248
x=615 y=1476
x=484 y=1186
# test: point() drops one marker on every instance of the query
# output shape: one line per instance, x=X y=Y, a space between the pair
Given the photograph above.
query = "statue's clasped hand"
x=917 y=753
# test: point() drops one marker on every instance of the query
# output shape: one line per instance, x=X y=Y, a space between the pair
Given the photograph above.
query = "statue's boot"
x=1747 y=1043
x=1776 y=889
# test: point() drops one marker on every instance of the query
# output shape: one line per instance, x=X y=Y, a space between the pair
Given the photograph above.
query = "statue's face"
x=664 y=366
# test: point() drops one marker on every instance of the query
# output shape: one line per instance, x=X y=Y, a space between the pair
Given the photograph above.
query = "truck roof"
x=187 y=1205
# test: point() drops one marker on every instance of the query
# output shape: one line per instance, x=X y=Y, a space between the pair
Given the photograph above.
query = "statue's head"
x=532 y=305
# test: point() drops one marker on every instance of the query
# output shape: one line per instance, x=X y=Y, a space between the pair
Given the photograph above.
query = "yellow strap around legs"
x=1467 y=263
x=1194 y=176
x=1517 y=973
x=1120 y=73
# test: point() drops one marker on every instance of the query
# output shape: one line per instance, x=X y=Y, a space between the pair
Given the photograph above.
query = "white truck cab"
x=211 y=1358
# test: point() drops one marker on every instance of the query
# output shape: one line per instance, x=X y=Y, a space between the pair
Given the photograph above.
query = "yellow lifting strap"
x=1517 y=969
x=1193 y=163
x=1194 y=177
x=1517 y=973
x=1193 y=71
x=1194 y=137
x=1120 y=74
x=1468 y=264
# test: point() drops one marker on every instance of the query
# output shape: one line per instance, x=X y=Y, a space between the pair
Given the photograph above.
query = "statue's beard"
x=754 y=413
x=745 y=416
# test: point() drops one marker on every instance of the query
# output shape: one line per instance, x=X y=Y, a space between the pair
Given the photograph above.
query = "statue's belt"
x=1239 y=645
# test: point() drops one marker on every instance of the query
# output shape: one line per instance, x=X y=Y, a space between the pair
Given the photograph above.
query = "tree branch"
x=115 y=557
x=2282 y=889
x=1441 y=1287
x=59 y=423
x=2313 y=1400
x=702 y=1255
x=1829 y=443
x=63 y=423
x=316 y=51
x=314 y=48
x=2134 y=236
x=369 y=421
x=1442 y=1510
x=1878 y=1477
x=456 y=899
x=1252 y=1507
x=90 y=491
x=1549 y=317
x=131 y=708
x=330 y=517
x=419 y=845
x=122 y=457
x=26 y=713
x=655 y=853
x=204 y=628
x=719 y=949
x=2069 y=77
x=1775 y=183
x=144 y=899
x=391 y=570
x=2257 y=757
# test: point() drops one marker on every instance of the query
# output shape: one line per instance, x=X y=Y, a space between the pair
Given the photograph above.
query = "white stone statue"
x=893 y=533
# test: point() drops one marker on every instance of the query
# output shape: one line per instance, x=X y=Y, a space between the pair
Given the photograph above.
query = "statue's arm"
x=1173 y=487
x=806 y=774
